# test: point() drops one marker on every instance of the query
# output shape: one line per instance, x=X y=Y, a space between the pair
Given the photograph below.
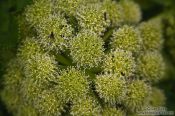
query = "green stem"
x=63 y=60
x=107 y=34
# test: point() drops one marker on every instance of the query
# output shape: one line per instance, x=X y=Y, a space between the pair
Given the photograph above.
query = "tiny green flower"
x=151 y=33
x=41 y=67
x=131 y=11
x=86 y=106
x=113 y=12
x=72 y=84
x=151 y=66
x=127 y=38
x=87 y=49
x=137 y=94
x=157 y=97
x=38 y=10
x=48 y=104
x=29 y=47
x=111 y=88
x=54 y=32
x=120 y=62
x=91 y=17
x=12 y=78
x=112 y=111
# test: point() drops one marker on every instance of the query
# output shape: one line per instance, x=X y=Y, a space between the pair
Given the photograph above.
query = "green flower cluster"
x=83 y=58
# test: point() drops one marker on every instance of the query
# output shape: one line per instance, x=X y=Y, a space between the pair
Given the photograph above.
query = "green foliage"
x=169 y=20
x=79 y=57
x=149 y=4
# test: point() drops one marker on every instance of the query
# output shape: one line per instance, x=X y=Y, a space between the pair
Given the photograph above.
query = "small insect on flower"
x=51 y=35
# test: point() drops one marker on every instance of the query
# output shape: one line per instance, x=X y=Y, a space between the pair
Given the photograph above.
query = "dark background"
x=10 y=9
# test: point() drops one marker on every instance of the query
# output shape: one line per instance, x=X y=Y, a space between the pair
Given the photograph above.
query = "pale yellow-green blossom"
x=84 y=58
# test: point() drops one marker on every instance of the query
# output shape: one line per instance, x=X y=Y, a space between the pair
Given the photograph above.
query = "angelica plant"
x=83 y=58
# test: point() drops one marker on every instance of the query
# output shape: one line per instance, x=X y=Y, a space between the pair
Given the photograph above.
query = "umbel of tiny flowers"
x=83 y=58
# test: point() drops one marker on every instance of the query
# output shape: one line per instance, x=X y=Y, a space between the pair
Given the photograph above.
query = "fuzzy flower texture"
x=84 y=58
